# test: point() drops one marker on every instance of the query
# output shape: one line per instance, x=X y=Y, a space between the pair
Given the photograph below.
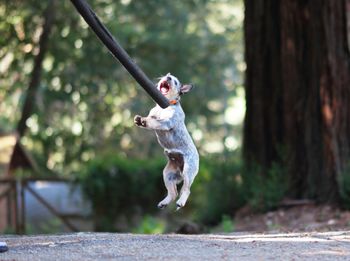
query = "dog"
x=169 y=126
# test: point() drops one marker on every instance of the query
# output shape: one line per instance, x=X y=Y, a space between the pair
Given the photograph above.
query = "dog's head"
x=171 y=87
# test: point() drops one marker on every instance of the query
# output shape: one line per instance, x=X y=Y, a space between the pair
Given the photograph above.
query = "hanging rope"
x=118 y=52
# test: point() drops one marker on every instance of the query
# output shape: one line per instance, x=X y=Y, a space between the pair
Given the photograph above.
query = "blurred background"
x=72 y=160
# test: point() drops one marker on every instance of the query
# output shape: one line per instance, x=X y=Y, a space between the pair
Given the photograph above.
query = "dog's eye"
x=177 y=83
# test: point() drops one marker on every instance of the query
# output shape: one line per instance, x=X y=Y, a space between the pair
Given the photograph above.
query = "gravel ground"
x=237 y=246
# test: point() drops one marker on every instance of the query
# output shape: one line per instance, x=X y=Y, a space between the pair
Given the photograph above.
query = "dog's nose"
x=168 y=78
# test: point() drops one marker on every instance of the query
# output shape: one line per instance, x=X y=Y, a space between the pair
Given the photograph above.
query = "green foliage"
x=86 y=100
x=9 y=230
x=218 y=189
x=264 y=192
x=344 y=187
x=226 y=225
x=150 y=225
x=223 y=186
x=117 y=185
x=51 y=226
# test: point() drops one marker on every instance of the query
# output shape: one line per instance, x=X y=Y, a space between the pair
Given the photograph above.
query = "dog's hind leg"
x=171 y=177
x=188 y=174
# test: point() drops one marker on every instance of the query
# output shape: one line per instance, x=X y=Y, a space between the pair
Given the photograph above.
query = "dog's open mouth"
x=164 y=87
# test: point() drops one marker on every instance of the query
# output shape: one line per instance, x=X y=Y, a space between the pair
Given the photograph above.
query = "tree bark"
x=298 y=92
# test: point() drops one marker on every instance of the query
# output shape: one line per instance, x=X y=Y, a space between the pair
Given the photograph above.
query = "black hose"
x=118 y=52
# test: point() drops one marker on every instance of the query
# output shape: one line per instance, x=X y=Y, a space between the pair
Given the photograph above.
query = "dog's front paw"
x=139 y=121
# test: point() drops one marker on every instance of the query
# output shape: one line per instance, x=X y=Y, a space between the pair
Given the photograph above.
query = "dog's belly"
x=177 y=160
x=168 y=139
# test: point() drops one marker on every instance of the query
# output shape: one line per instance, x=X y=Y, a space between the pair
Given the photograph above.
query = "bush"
x=150 y=225
x=223 y=186
x=120 y=187
x=218 y=189
x=264 y=192
x=117 y=186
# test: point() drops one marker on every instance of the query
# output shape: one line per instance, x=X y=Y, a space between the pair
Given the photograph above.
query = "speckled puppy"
x=170 y=128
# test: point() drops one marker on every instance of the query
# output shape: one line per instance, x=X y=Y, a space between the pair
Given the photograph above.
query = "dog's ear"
x=186 y=88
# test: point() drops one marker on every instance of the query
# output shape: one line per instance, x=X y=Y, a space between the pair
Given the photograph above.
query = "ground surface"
x=108 y=246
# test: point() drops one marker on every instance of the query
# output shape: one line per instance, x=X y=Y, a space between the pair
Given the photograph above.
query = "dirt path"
x=107 y=246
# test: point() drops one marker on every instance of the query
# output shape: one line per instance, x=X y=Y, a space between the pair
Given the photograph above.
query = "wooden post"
x=23 y=208
x=15 y=207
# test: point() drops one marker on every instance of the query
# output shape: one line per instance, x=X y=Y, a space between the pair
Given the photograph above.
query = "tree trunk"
x=298 y=92
x=34 y=83
x=33 y=86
